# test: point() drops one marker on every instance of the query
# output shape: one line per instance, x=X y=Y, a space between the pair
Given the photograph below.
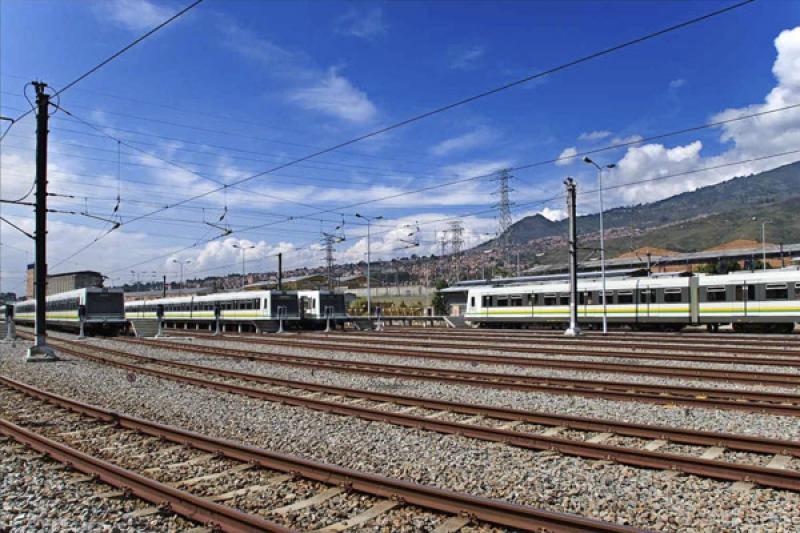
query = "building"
x=64 y=282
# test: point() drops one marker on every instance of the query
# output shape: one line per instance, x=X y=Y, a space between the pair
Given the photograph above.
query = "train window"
x=472 y=301
x=516 y=301
x=625 y=297
x=486 y=301
x=550 y=299
x=502 y=301
x=777 y=292
x=740 y=292
x=563 y=299
x=716 y=294
x=673 y=296
x=647 y=296
x=585 y=298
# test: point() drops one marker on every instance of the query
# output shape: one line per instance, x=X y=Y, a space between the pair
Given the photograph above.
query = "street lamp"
x=243 y=248
x=369 y=260
x=181 y=263
x=763 y=242
x=602 y=238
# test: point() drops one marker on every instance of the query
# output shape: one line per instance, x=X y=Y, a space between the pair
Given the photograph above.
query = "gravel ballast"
x=645 y=498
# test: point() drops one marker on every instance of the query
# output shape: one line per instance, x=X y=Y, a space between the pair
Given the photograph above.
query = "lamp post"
x=763 y=242
x=602 y=238
x=369 y=260
x=181 y=263
x=244 y=249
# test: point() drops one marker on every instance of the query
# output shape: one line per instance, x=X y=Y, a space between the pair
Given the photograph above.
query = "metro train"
x=260 y=309
x=758 y=302
x=104 y=310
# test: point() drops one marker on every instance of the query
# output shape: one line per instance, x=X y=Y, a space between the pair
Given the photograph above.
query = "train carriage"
x=256 y=308
x=751 y=301
x=104 y=310
x=317 y=306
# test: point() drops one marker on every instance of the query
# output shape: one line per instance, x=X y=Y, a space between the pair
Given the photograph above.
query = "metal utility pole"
x=243 y=249
x=574 y=330
x=369 y=261
x=602 y=237
x=504 y=219
x=280 y=271
x=456 y=241
x=40 y=351
x=164 y=287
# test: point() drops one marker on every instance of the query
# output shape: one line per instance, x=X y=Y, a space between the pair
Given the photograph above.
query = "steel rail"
x=770 y=477
x=745 y=400
x=738 y=376
x=194 y=508
x=493 y=511
x=702 y=438
x=693 y=345
x=752 y=339
x=484 y=344
x=575 y=343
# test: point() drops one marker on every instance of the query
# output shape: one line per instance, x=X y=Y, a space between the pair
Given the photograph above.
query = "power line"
x=115 y=55
x=464 y=101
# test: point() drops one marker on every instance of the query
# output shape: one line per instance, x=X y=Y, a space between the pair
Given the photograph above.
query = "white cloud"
x=594 y=135
x=134 y=15
x=314 y=89
x=751 y=138
x=466 y=58
x=677 y=83
x=334 y=95
x=553 y=214
x=567 y=153
x=473 y=139
x=365 y=23
x=626 y=140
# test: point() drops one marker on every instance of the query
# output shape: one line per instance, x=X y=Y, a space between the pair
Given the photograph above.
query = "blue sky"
x=235 y=87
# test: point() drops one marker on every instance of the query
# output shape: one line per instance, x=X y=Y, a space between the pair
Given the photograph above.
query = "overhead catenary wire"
x=114 y=56
x=464 y=101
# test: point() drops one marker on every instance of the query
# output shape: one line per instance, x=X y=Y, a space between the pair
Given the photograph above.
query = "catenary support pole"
x=280 y=271
x=573 y=330
x=40 y=351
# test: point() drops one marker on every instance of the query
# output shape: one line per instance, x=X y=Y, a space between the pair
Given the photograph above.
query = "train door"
x=694 y=300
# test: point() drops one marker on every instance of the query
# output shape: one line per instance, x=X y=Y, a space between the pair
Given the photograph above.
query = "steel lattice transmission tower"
x=504 y=205
x=328 y=241
x=456 y=241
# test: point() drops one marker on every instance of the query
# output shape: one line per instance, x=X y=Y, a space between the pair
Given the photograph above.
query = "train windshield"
x=105 y=303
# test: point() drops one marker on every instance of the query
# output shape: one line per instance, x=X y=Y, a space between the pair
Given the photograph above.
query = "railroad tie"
x=511 y=425
x=323 y=496
x=110 y=494
x=553 y=431
x=654 y=445
x=271 y=482
x=159 y=452
x=438 y=414
x=197 y=460
x=600 y=437
x=474 y=420
x=713 y=453
x=780 y=462
x=376 y=510
x=407 y=410
x=208 y=477
x=74 y=480
x=742 y=486
x=452 y=524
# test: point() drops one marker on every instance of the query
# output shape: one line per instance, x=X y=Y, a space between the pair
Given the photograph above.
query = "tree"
x=439 y=304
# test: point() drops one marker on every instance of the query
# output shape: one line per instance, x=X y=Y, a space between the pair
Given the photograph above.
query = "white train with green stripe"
x=104 y=310
x=250 y=309
x=763 y=301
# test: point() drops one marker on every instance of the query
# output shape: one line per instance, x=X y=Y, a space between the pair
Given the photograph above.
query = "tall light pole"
x=602 y=237
x=244 y=249
x=369 y=260
x=763 y=242
x=181 y=263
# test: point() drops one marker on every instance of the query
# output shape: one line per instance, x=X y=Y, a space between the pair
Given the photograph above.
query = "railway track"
x=743 y=339
x=545 y=343
x=208 y=479
x=378 y=347
x=381 y=341
x=495 y=424
x=743 y=400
